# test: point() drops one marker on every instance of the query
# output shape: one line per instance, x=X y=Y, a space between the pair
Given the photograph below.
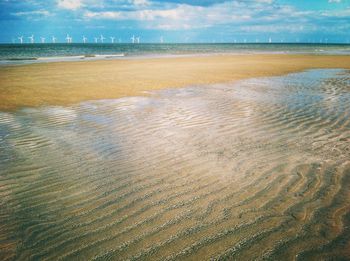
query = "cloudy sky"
x=178 y=20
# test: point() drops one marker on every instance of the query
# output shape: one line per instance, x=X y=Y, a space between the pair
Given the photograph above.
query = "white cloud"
x=344 y=13
x=254 y=15
x=264 y=1
x=32 y=13
x=334 y=1
x=180 y=16
x=69 y=4
x=140 y=2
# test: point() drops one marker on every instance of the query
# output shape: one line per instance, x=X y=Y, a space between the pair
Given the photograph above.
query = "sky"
x=177 y=20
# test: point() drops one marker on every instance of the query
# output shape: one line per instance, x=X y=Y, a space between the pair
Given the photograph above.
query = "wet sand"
x=258 y=169
x=72 y=82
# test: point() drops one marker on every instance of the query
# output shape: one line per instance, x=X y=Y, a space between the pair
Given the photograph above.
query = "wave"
x=19 y=60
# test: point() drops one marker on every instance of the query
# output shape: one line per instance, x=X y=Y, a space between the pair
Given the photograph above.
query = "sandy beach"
x=255 y=169
x=72 y=82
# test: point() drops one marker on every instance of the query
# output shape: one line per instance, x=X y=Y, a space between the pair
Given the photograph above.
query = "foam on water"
x=250 y=170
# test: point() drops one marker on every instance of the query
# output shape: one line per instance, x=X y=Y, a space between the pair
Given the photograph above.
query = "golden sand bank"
x=71 y=82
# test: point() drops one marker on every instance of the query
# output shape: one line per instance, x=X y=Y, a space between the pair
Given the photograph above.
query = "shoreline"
x=65 y=83
x=125 y=56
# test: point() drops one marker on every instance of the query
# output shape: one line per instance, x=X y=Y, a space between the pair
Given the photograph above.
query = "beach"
x=72 y=82
x=220 y=157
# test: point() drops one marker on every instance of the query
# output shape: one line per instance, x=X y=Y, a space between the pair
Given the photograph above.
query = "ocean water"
x=29 y=53
x=253 y=170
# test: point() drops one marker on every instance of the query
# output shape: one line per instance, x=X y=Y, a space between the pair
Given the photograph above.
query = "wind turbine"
x=138 y=39
x=84 y=39
x=133 y=39
x=20 y=39
x=112 y=39
x=270 y=40
x=96 y=39
x=69 y=39
x=42 y=39
x=161 y=39
x=31 y=39
x=54 y=39
x=102 y=38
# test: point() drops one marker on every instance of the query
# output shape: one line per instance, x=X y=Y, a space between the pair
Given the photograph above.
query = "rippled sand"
x=258 y=169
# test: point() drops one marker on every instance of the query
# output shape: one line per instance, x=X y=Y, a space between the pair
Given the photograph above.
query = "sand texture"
x=72 y=82
x=254 y=170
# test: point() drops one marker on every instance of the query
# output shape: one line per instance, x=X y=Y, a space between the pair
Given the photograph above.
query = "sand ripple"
x=259 y=169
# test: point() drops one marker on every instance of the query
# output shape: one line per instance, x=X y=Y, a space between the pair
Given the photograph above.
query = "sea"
x=34 y=53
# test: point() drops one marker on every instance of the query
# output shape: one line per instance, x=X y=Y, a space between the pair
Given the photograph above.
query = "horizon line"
x=116 y=43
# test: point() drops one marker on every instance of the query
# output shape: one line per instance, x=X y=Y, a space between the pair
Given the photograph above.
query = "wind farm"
x=68 y=39
x=134 y=39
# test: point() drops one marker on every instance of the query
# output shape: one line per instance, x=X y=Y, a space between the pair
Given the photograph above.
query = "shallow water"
x=258 y=169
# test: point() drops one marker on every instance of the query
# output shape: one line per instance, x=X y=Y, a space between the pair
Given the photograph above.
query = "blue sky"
x=177 y=20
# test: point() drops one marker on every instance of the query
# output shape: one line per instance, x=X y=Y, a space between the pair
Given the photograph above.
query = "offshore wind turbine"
x=133 y=39
x=20 y=39
x=69 y=39
x=102 y=38
x=112 y=39
x=31 y=39
x=53 y=39
x=138 y=39
x=42 y=39
x=161 y=39
x=270 y=40
x=84 y=39
x=96 y=39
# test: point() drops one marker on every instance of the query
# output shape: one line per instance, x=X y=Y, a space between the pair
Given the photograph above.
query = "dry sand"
x=71 y=82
